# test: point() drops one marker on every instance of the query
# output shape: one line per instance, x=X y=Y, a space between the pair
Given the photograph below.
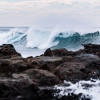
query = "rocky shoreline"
x=33 y=78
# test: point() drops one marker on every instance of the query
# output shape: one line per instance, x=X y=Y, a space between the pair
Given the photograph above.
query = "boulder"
x=48 y=52
x=8 y=51
x=91 y=49
x=63 y=52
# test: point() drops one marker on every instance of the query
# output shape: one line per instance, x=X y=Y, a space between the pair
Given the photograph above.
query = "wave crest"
x=43 y=39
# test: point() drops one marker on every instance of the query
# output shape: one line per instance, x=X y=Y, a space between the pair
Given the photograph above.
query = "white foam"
x=14 y=35
x=92 y=91
x=41 y=38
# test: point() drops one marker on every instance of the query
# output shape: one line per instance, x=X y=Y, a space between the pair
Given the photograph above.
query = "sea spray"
x=88 y=89
x=46 y=38
x=12 y=36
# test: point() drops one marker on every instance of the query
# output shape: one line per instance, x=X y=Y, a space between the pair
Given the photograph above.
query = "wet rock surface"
x=33 y=78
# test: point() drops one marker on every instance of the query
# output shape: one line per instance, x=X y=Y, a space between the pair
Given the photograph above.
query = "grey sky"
x=69 y=13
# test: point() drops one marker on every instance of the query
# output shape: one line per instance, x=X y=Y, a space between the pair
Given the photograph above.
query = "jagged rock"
x=33 y=78
x=93 y=69
x=19 y=65
x=42 y=77
x=12 y=89
x=75 y=69
x=48 y=52
x=72 y=96
x=92 y=49
x=63 y=52
x=9 y=66
x=33 y=63
x=5 y=67
x=8 y=51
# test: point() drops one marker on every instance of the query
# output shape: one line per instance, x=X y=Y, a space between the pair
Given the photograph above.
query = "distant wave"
x=43 y=39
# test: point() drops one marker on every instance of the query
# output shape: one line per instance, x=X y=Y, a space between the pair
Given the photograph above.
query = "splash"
x=88 y=89
x=48 y=38
x=41 y=39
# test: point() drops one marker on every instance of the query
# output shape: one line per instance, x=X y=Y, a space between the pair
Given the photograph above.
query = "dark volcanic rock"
x=33 y=63
x=8 y=51
x=48 y=52
x=76 y=69
x=72 y=96
x=5 y=67
x=92 y=49
x=11 y=89
x=42 y=77
x=93 y=69
x=50 y=65
x=19 y=65
x=63 y=52
x=33 y=78
x=59 y=52
x=9 y=66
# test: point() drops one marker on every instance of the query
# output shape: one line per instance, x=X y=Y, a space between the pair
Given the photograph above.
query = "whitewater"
x=89 y=89
x=34 y=41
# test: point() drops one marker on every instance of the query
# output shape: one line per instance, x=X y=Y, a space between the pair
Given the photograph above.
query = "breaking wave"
x=42 y=39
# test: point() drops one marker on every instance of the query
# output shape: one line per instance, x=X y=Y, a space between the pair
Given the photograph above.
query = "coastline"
x=34 y=78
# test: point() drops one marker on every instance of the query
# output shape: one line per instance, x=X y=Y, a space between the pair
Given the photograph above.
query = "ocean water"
x=18 y=37
x=34 y=41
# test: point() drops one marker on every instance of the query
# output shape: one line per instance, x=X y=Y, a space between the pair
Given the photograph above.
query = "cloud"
x=38 y=6
x=41 y=11
x=41 y=3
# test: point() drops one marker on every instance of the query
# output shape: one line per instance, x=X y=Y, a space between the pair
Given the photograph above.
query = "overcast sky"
x=69 y=13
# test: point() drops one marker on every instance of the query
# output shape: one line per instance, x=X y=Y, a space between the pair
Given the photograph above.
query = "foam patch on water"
x=89 y=89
